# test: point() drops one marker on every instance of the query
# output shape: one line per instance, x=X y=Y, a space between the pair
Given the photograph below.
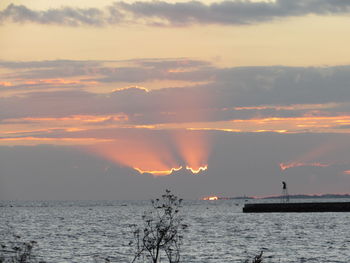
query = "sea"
x=218 y=231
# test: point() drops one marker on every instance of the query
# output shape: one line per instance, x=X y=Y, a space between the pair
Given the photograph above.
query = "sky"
x=119 y=100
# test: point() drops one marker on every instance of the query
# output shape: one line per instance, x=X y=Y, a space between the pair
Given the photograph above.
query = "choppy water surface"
x=218 y=231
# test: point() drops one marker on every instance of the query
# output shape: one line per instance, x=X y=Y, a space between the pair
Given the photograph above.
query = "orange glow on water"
x=210 y=198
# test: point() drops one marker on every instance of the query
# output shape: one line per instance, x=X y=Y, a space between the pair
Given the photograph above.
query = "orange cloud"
x=214 y=129
x=306 y=121
x=332 y=124
x=285 y=166
x=314 y=156
x=19 y=132
x=80 y=118
x=6 y=84
x=57 y=81
x=55 y=141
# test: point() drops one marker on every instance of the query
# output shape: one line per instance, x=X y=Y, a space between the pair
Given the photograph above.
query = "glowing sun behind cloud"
x=157 y=154
x=193 y=148
x=144 y=155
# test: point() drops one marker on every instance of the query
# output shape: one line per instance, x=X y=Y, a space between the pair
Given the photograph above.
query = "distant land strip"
x=296 y=196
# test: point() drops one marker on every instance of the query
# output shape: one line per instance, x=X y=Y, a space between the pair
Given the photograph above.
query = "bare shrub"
x=18 y=251
x=159 y=236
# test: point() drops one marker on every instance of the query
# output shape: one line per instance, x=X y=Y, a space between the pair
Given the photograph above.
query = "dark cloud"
x=233 y=12
x=63 y=16
x=277 y=85
x=47 y=64
x=243 y=86
x=176 y=14
x=137 y=70
x=173 y=63
x=40 y=104
x=342 y=127
x=50 y=68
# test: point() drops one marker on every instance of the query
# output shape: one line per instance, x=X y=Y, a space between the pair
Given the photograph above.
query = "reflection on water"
x=218 y=231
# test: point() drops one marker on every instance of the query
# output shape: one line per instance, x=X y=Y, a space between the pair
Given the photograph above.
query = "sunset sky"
x=104 y=99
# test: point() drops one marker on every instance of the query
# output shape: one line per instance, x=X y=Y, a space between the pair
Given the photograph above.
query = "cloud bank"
x=56 y=89
x=161 y=13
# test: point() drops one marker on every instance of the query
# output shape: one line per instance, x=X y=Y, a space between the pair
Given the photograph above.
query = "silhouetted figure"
x=285 y=195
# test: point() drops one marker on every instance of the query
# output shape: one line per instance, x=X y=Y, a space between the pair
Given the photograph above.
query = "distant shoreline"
x=297 y=196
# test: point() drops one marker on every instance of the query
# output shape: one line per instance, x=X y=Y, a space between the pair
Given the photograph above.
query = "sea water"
x=218 y=231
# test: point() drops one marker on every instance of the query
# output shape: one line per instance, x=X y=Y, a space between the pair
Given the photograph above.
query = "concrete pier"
x=297 y=207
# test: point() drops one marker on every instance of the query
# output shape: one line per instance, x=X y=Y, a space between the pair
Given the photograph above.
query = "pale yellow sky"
x=300 y=41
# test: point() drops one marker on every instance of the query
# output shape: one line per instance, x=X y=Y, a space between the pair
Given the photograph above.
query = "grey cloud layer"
x=176 y=14
x=104 y=71
x=226 y=88
x=54 y=172
x=64 y=16
x=47 y=64
x=233 y=12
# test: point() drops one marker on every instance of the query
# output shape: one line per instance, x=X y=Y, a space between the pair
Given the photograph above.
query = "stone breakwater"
x=297 y=207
